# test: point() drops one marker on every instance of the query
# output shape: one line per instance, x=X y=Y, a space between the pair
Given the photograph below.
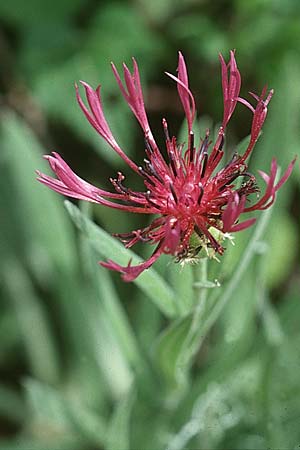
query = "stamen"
x=191 y=146
x=204 y=164
x=151 y=171
x=221 y=145
x=205 y=143
x=147 y=195
x=146 y=175
x=149 y=149
x=173 y=193
x=172 y=162
x=166 y=131
x=200 y=193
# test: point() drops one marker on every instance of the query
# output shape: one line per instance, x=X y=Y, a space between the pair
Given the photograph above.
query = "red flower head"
x=196 y=205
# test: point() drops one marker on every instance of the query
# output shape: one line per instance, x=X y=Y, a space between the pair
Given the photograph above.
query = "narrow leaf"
x=149 y=281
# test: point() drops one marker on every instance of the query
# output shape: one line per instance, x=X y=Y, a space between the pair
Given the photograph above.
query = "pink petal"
x=286 y=174
x=243 y=225
x=184 y=92
x=97 y=120
x=130 y=273
x=231 y=86
x=186 y=96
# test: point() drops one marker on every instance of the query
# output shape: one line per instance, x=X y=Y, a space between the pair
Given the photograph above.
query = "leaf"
x=9 y=336
x=12 y=407
x=118 y=435
x=39 y=217
x=37 y=340
x=46 y=405
x=220 y=407
x=110 y=304
x=169 y=348
x=149 y=281
x=281 y=130
x=63 y=443
x=181 y=280
x=283 y=240
x=55 y=414
x=29 y=13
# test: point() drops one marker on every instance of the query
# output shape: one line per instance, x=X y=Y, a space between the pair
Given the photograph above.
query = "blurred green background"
x=87 y=362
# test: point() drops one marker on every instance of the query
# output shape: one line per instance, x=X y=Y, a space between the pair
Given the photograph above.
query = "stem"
x=239 y=272
x=203 y=319
x=200 y=275
x=191 y=344
x=200 y=286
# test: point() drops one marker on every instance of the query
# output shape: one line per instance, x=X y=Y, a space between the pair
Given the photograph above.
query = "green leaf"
x=283 y=240
x=46 y=405
x=53 y=413
x=149 y=281
x=47 y=236
x=12 y=407
x=169 y=348
x=29 y=13
x=38 y=340
x=281 y=130
x=9 y=336
x=111 y=307
x=63 y=443
x=118 y=435
x=181 y=279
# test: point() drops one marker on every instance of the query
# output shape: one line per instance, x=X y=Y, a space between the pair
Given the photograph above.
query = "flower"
x=195 y=203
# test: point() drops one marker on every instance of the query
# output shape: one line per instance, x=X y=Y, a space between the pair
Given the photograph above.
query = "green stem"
x=204 y=318
x=190 y=345
x=200 y=286
x=250 y=251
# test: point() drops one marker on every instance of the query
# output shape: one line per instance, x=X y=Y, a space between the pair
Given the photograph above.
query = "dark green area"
x=87 y=362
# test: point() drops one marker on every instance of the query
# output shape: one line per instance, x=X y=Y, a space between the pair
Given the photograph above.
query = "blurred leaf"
x=238 y=325
x=147 y=320
x=283 y=239
x=149 y=281
x=181 y=280
x=32 y=12
x=111 y=307
x=282 y=396
x=9 y=336
x=191 y=28
x=108 y=353
x=118 y=435
x=169 y=350
x=90 y=425
x=47 y=406
x=119 y=31
x=281 y=131
x=46 y=231
x=63 y=443
x=159 y=12
x=55 y=415
x=43 y=50
x=12 y=406
x=37 y=340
